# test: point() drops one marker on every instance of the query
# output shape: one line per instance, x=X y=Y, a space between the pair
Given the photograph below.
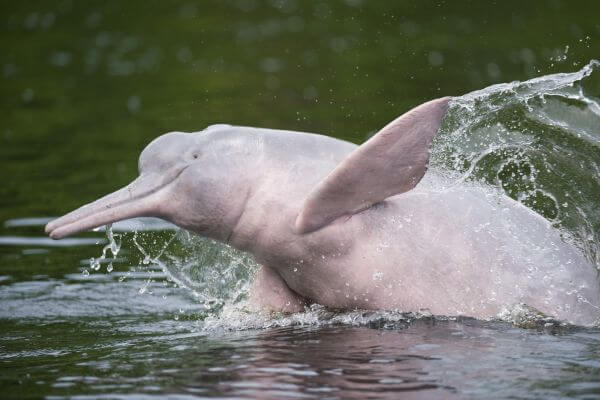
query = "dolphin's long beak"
x=142 y=197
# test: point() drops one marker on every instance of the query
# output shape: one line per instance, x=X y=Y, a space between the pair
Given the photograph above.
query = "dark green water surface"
x=85 y=85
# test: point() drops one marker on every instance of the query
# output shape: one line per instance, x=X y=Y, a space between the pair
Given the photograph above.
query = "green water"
x=86 y=85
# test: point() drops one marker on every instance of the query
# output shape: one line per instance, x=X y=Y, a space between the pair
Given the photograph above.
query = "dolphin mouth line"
x=117 y=206
x=149 y=192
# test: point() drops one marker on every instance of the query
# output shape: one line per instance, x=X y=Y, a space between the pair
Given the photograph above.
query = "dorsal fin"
x=391 y=162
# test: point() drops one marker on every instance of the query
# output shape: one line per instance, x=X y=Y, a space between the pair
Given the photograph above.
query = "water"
x=426 y=360
x=86 y=86
x=538 y=141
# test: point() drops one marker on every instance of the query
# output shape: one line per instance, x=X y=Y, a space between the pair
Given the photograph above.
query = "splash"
x=113 y=245
x=213 y=273
x=539 y=142
x=235 y=317
x=216 y=273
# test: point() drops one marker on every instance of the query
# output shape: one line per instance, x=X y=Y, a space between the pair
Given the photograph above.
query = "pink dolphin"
x=347 y=226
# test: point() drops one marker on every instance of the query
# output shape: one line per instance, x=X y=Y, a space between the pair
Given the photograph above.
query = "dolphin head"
x=186 y=178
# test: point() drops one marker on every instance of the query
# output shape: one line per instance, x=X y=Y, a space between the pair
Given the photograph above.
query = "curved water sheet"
x=215 y=273
x=538 y=141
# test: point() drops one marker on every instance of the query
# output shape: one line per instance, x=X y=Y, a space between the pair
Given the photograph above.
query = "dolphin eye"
x=195 y=156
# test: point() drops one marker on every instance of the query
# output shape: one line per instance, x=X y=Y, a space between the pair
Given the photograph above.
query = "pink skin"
x=344 y=226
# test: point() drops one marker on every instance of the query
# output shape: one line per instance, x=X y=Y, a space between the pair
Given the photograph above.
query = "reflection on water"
x=45 y=241
x=427 y=359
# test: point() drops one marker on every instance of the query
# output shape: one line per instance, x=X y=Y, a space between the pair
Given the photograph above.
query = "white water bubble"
x=493 y=71
x=93 y=20
x=27 y=95
x=322 y=10
x=31 y=21
x=527 y=55
x=61 y=58
x=310 y=93
x=134 y=103
x=271 y=65
x=184 y=54
x=435 y=58
x=377 y=276
x=339 y=44
x=47 y=20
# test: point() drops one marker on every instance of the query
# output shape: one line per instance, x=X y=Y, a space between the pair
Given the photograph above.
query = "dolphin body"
x=344 y=226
